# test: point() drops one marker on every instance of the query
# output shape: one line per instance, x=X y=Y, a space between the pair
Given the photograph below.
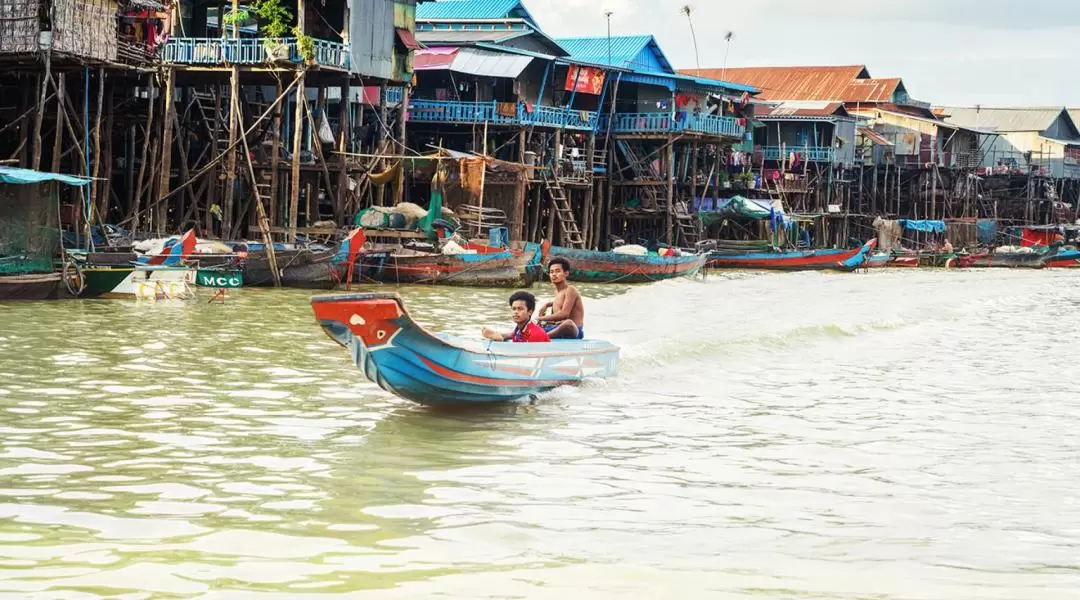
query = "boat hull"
x=1003 y=260
x=406 y=360
x=1068 y=259
x=301 y=268
x=34 y=286
x=808 y=260
x=592 y=266
x=484 y=269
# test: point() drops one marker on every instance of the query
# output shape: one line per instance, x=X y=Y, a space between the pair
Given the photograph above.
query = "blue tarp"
x=987 y=231
x=925 y=226
x=18 y=176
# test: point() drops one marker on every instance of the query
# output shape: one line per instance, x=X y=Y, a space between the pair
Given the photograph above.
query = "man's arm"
x=545 y=307
x=495 y=336
x=569 y=302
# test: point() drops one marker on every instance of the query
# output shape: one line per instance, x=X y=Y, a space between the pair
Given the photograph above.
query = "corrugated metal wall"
x=371 y=37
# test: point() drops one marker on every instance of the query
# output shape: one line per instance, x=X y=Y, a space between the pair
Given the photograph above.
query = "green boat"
x=94 y=281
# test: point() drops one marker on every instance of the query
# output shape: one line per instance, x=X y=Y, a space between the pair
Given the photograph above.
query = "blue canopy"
x=926 y=226
x=18 y=176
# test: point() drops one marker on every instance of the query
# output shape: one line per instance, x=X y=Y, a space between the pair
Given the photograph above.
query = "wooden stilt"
x=35 y=161
x=236 y=120
x=669 y=235
x=135 y=221
x=403 y=112
x=275 y=157
x=344 y=133
x=96 y=187
x=298 y=130
x=58 y=133
x=169 y=114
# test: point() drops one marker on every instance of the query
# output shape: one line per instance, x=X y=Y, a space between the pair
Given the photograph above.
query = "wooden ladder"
x=571 y=235
x=687 y=224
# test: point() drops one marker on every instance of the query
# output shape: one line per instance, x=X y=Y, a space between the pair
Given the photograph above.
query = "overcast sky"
x=989 y=52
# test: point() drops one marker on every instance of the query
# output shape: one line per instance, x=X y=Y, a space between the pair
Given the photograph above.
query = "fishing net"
x=28 y=237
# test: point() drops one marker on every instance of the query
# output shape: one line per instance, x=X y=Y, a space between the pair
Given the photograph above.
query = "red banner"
x=585 y=80
x=1072 y=155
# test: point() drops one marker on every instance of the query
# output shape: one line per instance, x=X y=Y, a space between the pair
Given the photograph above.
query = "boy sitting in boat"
x=567 y=321
x=522 y=306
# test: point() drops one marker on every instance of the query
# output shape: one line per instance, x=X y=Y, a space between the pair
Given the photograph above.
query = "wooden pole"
x=319 y=156
x=379 y=191
x=298 y=130
x=344 y=130
x=35 y=161
x=167 y=137
x=670 y=212
x=517 y=217
x=275 y=155
x=403 y=113
x=58 y=134
x=483 y=179
x=235 y=124
x=95 y=193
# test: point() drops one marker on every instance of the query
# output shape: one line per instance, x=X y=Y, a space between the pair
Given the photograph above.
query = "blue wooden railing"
x=658 y=122
x=807 y=153
x=444 y=111
x=249 y=51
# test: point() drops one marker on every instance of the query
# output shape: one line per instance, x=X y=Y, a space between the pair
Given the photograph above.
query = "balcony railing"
x=495 y=113
x=250 y=51
x=657 y=122
x=807 y=153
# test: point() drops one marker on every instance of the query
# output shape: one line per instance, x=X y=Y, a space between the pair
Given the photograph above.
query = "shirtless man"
x=567 y=319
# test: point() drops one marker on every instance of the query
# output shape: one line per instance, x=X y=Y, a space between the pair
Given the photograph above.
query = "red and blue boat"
x=481 y=266
x=1064 y=259
x=592 y=266
x=406 y=360
x=802 y=260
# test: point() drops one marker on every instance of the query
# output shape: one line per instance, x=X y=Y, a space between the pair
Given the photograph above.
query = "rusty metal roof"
x=872 y=90
x=874 y=137
x=791 y=83
x=801 y=109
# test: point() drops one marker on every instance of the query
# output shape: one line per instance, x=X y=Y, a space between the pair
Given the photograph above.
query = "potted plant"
x=305 y=46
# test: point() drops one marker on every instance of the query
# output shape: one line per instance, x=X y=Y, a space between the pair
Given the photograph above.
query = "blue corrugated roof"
x=472 y=9
x=642 y=55
x=626 y=51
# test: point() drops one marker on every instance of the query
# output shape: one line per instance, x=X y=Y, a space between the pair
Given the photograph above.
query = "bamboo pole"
x=344 y=130
x=169 y=112
x=35 y=161
x=58 y=134
x=95 y=192
x=298 y=129
x=670 y=212
x=275 y=153
x=236 y=121
x=403 y=112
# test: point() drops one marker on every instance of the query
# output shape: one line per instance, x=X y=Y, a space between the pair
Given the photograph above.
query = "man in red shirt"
x=522 y=307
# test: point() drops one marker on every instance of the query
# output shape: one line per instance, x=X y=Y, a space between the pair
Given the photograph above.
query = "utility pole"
x=607 y=15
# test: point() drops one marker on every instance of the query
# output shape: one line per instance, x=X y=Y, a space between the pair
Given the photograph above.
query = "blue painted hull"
x=592 y=266
x=404 y=359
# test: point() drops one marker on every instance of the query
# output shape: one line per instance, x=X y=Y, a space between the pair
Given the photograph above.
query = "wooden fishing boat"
x=408 y=361
x=592 y=266
x=878 y=260
x=486 y=267
x=802 y=260
x=31 y=286
x=300 y=267
x=1012 y=260
x=82 y=280
x=1064 y=259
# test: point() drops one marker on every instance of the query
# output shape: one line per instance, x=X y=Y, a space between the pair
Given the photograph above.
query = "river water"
x=893 y=434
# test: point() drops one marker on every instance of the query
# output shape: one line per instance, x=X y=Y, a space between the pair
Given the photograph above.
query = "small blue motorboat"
x=440 y=369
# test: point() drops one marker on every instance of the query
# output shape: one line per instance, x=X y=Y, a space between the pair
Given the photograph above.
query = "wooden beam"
x=95 y=190
x=275 y=155
x=169 y=113
x=298 y=130
x=35 y=160
x=236 y=123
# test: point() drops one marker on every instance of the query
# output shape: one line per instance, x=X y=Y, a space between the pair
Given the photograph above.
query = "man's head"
x=522 y=306
x=558 y=270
